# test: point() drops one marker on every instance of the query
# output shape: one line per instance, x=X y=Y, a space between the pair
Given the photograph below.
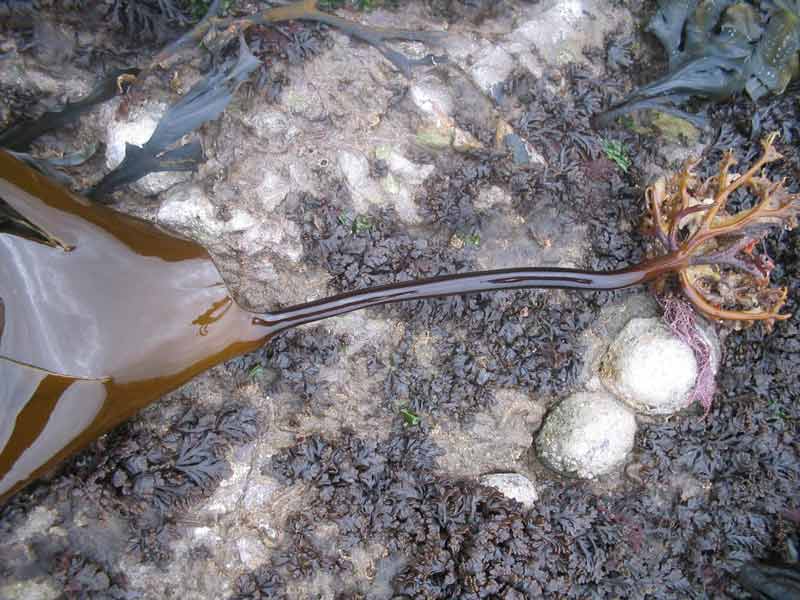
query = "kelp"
x=204 y=102
x=20 y=137
x=105 y=313
x=718 y=48
x=777 y=580
x=307 y=10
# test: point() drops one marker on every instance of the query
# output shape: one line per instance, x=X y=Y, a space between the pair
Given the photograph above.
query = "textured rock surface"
x=588 y=434
x=649 y=368
x=514 y=486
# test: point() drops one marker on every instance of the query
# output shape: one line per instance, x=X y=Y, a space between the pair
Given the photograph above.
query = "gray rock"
x=587 y=434
x=649 y=368
x=489 y=197
x=267 y=124
x=514 y=486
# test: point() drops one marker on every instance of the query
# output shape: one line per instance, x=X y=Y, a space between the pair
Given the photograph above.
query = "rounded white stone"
x=649 y=368
x=588 y=434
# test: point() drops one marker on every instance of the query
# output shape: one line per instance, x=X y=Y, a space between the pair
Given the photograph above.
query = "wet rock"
x=489 y=197
x=514 y=486
x=677 y=134
x=491 y=68
x=439 y=131
x=522 y=152
x=560 y=31
x=32 y=589
x=272 y=190
x=588 y=434
x=398 y=165
x=187 y=210
x=435 y=137
x=53 y=46
x=267 y=124
x=465 y=142
x=355 y=169
x=432 y=98
x=649 y=368
x=137 y=129
x=494 y=441
x=673 y=128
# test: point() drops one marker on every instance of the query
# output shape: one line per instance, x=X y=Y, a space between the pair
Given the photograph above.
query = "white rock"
x=399 y=165
x=252 y=552
x=432 y=98
x=39 y=519
x=272 y=190
x=489 y=197
x=137 y=130
x=560 y=30
x=491 y=68
x=279 y=236
x=267 y=124
x=187 y=210
x=649 y=368
x=514 y=486
x=32 y=589
x=587 y=434
x=396 y=189
x=355 y=168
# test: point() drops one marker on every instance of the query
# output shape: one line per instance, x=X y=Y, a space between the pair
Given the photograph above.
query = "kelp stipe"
x=102 y=313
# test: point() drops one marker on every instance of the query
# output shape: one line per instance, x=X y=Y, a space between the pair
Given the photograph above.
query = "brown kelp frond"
x=725 y=277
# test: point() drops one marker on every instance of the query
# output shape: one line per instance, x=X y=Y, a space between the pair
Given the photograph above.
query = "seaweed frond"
x=307 y=10
x=722 y=273
x=204 y=102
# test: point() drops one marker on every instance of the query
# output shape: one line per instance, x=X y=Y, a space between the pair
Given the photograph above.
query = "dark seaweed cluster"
x=775 y=356
x=474 y=11
x=262 y=584
x=148 y=20
x=148 y=476
x=292 y=42
x=165 y=470
x=292 y=362
x=709 y=496
x=580 y=179
x=80 y=561
x=84 y=579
